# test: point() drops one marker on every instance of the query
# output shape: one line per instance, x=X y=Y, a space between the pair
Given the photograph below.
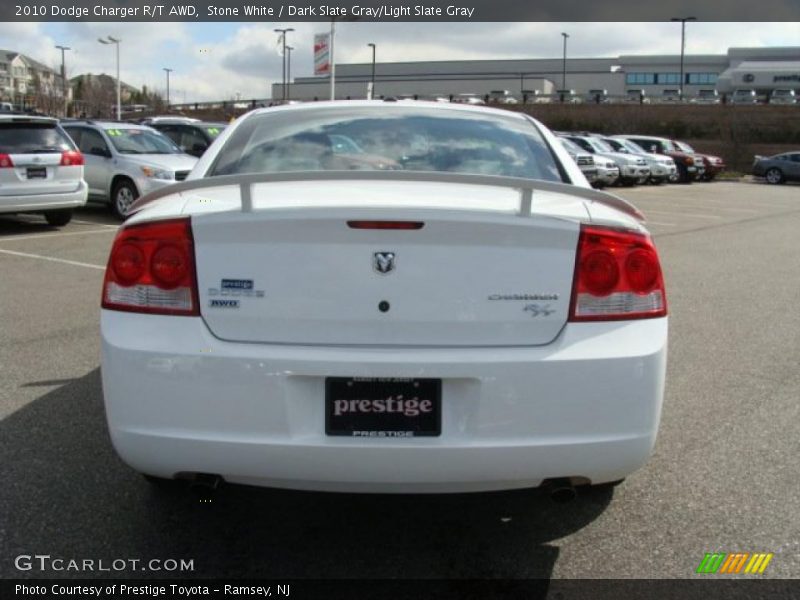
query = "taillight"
x=5 y=161
x=151 y=269
x=71 y=158
x=617 y=277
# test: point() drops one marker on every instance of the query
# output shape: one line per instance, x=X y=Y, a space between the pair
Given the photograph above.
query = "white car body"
x=662 y=167
x=39 y=179
x=479 y=296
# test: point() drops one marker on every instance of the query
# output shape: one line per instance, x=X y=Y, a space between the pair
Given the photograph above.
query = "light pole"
x=372 y=94
x=683 y=48
x=112 y=40
x=283 y=33
x=564 y=68
x=289 y=72
x=64 y=78
x=167 y=71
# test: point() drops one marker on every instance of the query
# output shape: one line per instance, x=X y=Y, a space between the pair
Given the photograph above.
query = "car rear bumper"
x=43 y=202
x=180 y=401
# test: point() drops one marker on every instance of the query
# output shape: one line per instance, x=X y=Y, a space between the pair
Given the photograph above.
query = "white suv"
x=124 y=161
x=41 y=170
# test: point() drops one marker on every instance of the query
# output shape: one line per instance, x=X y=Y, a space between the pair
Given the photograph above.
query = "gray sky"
x=218 y=60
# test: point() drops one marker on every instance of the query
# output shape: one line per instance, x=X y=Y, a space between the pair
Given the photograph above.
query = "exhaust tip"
x=204 y=484
x=561 y=491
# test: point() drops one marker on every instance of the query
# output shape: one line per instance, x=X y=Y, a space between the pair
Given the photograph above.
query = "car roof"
x=107 y=124
x=439 y=106
x=23 y=118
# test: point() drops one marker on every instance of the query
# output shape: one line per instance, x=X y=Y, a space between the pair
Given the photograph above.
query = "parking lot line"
x=688 y=215
x=52 y=259
x=94 y=223
x=660 y=223
x=39 y=236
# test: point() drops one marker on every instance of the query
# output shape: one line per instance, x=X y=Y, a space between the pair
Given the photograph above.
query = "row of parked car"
x=637 y=159
x=53 y=166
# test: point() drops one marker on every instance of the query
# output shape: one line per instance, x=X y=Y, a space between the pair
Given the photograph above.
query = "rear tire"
x=122 y=196
x=774 y=176
x=58 y=218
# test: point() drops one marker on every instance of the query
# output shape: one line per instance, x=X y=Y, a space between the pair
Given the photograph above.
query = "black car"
x=192 y=137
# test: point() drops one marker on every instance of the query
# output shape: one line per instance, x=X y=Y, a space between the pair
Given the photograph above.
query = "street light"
x=289 y=72
x=564 y=68
x=64 y=78
x=682 y=21
x=167 y=71
x=283 y=33
x=372 y=93
x=108 y=41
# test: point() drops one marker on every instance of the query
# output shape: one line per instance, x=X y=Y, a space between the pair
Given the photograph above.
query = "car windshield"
x=599 y=145
x=617 y=145
x=141 y=141
x=32 y=138
x=684 y=147
x=631 y=147
x=571 y=146
x=387 y=137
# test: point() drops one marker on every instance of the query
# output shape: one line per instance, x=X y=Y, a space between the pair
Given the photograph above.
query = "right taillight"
x=617 y=277
x=5 y=161
x=151 y=269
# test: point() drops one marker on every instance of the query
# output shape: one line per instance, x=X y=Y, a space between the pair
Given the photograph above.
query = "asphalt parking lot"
x=723 y=478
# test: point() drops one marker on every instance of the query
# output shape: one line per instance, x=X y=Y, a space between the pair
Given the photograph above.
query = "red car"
x=714 y=164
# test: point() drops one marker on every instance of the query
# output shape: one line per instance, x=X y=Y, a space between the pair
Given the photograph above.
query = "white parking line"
x=52 y=259
x=660 y=223
x=94 y=223
x=39 y=236
x=689 y=215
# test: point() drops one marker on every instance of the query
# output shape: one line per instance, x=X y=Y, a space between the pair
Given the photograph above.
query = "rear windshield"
x=33 y=138
x=141 y=141
x=387 y=138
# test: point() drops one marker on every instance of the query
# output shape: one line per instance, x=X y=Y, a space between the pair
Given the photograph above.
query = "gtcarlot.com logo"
x=46 y=562
x=735 y=562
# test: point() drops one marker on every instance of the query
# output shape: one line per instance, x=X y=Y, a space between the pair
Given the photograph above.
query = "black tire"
x=122 y=196
x=774 y=176
x=58 y=218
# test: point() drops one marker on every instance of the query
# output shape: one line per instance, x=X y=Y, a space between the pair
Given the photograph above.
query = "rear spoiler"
x=525 y=187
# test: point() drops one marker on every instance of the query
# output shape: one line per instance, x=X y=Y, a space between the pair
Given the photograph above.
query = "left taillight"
x=151 y=269
x=71 y=158
x=5 y=161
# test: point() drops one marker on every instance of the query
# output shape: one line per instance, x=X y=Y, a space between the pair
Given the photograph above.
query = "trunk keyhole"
x=383 y=306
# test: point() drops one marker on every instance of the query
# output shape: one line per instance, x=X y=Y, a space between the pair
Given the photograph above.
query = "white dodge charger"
x=384 y=296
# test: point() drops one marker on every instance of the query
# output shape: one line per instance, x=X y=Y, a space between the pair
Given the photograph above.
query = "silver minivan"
x=41 y=170
x=126 y=160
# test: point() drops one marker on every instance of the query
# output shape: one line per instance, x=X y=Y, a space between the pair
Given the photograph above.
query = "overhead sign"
x=322 y=54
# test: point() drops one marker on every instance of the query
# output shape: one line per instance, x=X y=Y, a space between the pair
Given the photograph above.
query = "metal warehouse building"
x=760 y=69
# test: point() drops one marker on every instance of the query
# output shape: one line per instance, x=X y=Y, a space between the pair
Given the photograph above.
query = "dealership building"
x=759 y=69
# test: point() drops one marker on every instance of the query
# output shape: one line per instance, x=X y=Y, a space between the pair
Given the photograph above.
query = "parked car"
x=744 y=97
x=706 y=97
x=468 y=99
x=689 y=169
x=6 y=107
x=41 y=169
x=429 y=329
x=502 y=97
x=167 y=119
x=662 y=167
x=598 y=97
x=636 y=96
x=584 y=160
x=633 y=169
x=125 y=160
x=713 y=165
x=782 y=96
x=778 y=168
x=192 y=137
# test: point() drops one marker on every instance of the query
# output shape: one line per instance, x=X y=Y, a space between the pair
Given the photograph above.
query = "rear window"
x=33 y=138
x=387 y=138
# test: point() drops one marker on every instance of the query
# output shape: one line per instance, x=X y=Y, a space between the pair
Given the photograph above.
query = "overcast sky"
x=218 y=60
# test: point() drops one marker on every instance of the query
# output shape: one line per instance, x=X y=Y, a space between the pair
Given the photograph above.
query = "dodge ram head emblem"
x=383 y=262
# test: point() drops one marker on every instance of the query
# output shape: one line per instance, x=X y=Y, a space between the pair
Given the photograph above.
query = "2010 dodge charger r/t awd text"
x=384 y=297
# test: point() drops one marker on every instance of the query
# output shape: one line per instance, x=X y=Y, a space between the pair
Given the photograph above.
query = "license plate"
x=383 y=407
x=37 y=172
